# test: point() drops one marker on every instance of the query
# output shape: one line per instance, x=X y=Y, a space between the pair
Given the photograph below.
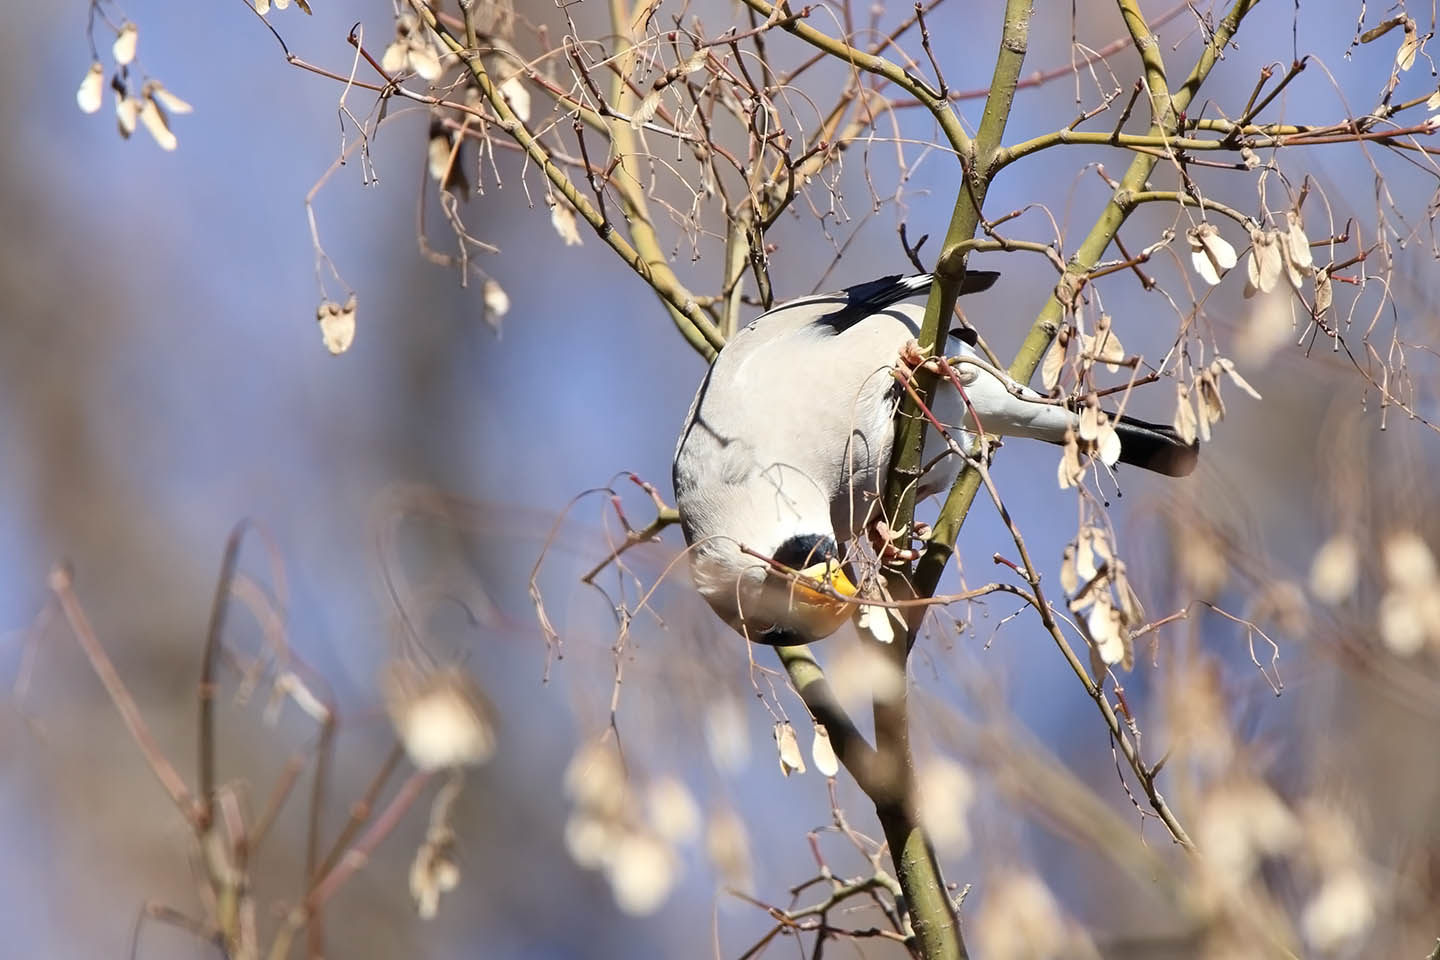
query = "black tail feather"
x=1155 y=447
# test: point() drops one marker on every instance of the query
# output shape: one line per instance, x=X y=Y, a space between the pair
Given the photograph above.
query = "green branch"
x=627 y=180
x=1150 y=142
x=1162 y=111
x=1132 y=200
x=885 y=772
x=850 y=744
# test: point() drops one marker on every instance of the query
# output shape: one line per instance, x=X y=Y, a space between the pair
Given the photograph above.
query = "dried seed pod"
x=91 y=94
x=788 y=747
x=1210 y=253
x=125 y=42
x=442 y=717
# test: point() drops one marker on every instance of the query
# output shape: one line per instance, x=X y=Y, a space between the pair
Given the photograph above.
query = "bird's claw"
x=887 y=542
x=911 y=356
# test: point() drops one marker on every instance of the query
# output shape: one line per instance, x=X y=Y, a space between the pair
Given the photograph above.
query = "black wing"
x=860 y=301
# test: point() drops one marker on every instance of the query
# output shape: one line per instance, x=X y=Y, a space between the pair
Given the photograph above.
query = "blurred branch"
x=225 y=882
x=359 y=813
x=225 y=874
x=62 y=585
x=354 y=859
x=219 y=606
x=1025 y=771
x=284 y=783
x=315 y=936
x=216 y=818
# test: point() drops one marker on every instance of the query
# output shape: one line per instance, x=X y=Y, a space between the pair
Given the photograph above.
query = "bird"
x=786 y=447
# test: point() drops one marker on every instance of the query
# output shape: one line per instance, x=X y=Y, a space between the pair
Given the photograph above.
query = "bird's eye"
x=966 y=335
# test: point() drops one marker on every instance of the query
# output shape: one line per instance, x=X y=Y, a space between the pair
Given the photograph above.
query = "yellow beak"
x=830 y=574
x=819 y=600
x=833 y=603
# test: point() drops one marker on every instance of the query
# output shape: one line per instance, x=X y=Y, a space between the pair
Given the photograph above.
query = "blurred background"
x=162 y=377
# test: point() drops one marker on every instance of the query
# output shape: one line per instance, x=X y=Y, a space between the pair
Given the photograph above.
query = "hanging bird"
x=786 y=447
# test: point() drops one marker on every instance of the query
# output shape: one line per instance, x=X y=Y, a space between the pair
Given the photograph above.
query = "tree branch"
x=1042 y=331
x=627 y=180
x=937 y=927
x=693 y=324
x=871 y=63
x=1133 y=200
x=1162 y=111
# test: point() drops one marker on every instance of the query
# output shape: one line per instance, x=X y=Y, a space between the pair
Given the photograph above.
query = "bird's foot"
x=892 y=546
x=912 y=356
